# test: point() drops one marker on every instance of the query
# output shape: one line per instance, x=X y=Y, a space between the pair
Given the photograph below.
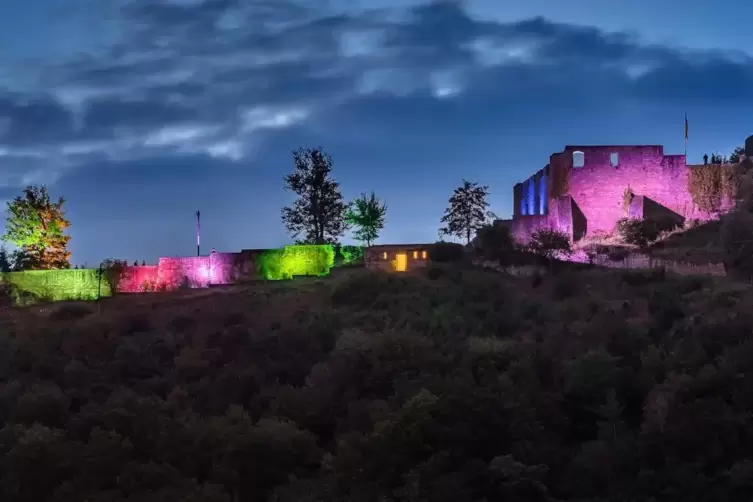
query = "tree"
x=367 y=213
x=467 y=212
x=318 y=215
x=5 y=260
x=716 y=158
x=36 y=225
x=734 y=157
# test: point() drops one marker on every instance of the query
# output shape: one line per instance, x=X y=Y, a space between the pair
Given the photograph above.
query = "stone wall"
x=195 y=271
x=133 y=279
x=638 y=260
x=597 y=190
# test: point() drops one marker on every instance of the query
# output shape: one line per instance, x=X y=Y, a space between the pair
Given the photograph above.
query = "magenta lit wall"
x=171 y=273
x=597 y=187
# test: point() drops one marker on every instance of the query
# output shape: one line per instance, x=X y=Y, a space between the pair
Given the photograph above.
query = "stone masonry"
x=597 y=178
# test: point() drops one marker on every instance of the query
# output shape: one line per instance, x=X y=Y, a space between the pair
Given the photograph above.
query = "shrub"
x=434 y=273
x=112 y=272
x=548 y=242
x=494 y=242
x=637 y=232
x=348 y=255
x=737 y=240
x=446 y=252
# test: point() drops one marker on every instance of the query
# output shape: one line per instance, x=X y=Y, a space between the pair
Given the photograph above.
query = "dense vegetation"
x=595 y=385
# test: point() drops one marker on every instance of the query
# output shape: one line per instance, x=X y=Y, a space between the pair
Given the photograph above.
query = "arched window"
x=579 y=159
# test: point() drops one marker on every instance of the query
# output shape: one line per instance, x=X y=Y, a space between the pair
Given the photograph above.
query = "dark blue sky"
x=141 y=111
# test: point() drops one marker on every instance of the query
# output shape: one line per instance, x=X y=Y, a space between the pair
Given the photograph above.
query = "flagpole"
x=686 y=138
x=198 y=233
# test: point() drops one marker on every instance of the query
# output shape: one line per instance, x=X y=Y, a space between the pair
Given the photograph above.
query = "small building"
x=397 y=257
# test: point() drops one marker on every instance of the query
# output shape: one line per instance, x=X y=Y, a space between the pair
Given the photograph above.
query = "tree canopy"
x=367 y=215
x=467 y=212
x=36 y=225
x=317 y=216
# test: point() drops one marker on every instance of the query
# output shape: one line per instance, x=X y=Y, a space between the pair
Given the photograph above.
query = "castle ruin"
x=585 y=190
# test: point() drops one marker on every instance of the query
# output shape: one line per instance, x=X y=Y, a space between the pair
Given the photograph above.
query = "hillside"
x=588 y=385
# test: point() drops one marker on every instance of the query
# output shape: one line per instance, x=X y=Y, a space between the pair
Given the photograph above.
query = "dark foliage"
x=318 y=215
x=469 y=386
x=468 y=211
x=446 y=252
x=637 y=232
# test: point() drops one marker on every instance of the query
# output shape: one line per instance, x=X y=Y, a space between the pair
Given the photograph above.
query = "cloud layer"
x=217 y=76
x=229 y=83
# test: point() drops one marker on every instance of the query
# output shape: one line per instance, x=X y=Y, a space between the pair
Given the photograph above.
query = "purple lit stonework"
x=594 y=199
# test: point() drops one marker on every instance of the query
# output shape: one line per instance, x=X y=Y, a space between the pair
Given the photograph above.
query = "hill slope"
x=474 y=386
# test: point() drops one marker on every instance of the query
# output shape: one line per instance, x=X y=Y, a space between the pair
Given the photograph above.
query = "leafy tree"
x=715 y=158
x=734 y=157
x=21 y=260
x=367 y=213
x=468 y=211
x=5 y=260
x=36 y=225
x=318 y=215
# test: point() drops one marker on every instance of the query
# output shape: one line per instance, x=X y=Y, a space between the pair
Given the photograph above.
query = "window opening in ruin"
x=614 y=159
x=579 y=159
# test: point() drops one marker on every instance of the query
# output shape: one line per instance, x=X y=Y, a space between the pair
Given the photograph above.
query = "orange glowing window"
x=384 y=255
x=415 y=255
x=423 y=254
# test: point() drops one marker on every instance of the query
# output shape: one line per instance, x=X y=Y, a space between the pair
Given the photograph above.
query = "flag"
x=686 y=127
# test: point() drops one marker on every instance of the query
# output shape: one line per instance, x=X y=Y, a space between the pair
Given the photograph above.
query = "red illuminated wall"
x=597 y=190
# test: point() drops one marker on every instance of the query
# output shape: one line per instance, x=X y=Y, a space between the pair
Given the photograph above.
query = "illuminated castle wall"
x=597 y=177
x=200 y=271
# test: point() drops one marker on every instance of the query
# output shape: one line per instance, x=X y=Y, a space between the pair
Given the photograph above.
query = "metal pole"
x=99 y=283
x=198 y=233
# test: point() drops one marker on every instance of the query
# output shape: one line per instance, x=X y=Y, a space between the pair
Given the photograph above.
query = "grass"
x=586 y=385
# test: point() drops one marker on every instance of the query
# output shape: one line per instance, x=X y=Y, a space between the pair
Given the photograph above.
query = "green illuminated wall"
x=291 y=261
x=57 y=285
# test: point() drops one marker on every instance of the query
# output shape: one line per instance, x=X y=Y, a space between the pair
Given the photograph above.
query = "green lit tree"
x=467 y=212
x=36 y=225
x=367 y=215
x=317 y=216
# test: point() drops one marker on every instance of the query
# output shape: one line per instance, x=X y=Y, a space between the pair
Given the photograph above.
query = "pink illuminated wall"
x=171 y=273
x=596 y=190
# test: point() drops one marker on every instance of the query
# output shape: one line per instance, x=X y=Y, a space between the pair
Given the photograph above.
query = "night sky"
x=139 y=112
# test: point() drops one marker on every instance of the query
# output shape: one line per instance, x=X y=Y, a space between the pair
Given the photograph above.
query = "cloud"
x=217 y=77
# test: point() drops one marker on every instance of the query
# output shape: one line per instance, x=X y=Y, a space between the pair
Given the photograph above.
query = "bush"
x=434 y=273
x=736 y=232
x=637 y=232
x=112 y=272
x=349 y=255
x=494 y=242
x=548 y=242
x=446 y=252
